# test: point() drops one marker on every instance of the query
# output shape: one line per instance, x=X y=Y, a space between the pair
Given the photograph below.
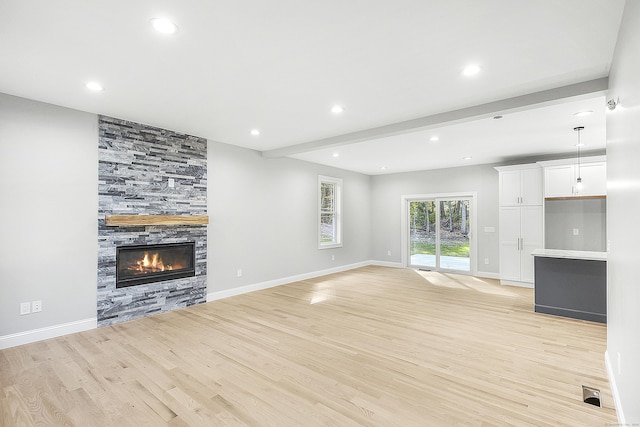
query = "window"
x=330 y=218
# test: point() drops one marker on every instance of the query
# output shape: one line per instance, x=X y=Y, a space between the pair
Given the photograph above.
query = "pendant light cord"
x=578 y=129
x=579 y=145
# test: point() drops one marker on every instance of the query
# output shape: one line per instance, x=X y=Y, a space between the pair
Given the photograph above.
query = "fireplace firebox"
x=140 y=264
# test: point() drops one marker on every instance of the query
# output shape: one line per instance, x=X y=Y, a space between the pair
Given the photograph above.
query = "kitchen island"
x=571 y=283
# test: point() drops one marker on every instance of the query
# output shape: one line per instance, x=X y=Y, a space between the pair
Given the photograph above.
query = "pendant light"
x=578 y=145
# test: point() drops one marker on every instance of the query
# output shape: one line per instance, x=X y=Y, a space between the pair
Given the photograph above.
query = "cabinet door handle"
x=518 y=244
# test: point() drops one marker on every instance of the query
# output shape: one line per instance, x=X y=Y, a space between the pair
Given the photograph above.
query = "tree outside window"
x=330 y=221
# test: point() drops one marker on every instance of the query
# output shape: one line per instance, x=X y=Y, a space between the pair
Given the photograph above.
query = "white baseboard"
x=487 y=275
x=40 y=334
x=387 y=264
x=514 y=283
x=614 y=390
x=212 y=296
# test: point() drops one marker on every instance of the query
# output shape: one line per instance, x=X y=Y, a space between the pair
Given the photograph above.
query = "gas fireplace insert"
x=141 y=264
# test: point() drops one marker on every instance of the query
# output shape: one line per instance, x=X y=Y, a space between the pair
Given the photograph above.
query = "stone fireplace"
x=146 y=173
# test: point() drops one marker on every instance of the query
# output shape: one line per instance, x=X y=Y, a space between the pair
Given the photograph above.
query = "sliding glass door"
x=422 y=233
x=454 y=234
x=440 y=233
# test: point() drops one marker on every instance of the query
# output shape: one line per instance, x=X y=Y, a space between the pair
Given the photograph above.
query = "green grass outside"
x=458 y=250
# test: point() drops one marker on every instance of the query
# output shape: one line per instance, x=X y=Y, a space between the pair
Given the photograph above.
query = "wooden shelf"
x=138 y=220
x=575 y=197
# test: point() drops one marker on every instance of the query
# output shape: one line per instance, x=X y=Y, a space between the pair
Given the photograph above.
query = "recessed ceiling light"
x=95 y=86
x=336 y=154
x=466 y=158
x=337 y=109
x=255 y=132
x=471 y=70
x=434 y=138
x=383 y=168
x=583 y=113
x=164 y=26
x=582 y=144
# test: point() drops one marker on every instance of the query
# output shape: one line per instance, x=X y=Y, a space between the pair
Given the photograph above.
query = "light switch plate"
x=25 y=308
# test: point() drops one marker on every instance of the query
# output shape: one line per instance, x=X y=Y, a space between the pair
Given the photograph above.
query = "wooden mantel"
x=140 y=220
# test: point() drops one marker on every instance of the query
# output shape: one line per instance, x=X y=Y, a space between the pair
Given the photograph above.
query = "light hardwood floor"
x=372 y=346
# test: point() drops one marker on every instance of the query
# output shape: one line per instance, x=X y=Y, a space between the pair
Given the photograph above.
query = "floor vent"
x=423 y=269
x=591 y=396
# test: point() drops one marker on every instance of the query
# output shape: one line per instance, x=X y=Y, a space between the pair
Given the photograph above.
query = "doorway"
x=439 y=233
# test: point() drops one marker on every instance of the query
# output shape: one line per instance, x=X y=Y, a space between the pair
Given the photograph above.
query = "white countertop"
x=561 y=253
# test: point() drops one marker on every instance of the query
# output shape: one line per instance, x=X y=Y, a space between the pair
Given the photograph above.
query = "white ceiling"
x=535 y=132
x=280 y=65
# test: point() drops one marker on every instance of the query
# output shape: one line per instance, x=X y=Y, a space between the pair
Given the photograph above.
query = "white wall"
x=385 y=205
x=48 y=214
x=263 y=218
x=623 y=205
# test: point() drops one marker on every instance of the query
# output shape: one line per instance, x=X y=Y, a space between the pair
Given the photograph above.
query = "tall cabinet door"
x=531 y=239
x=510 y=243
x=510 y=188
x=531 y=187
x=520 y=187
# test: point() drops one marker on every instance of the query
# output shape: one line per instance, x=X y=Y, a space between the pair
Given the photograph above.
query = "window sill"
x=329 y=245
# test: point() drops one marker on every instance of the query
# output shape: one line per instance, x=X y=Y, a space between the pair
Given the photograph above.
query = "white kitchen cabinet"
x=520 y=234
x=594 y=179
x=520 y=194
x=520 y=185
x=558 y=181
x=560 y=177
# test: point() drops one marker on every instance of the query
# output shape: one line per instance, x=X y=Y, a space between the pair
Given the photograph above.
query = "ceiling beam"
x=510 y=105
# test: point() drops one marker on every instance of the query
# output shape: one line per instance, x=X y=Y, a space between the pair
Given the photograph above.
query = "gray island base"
x=571 y=284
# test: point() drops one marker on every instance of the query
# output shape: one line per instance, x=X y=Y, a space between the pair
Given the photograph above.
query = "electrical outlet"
x=36 y=306
x=171 y=182
x=576 y=232
x=486 y=261
x=239 y=272
x=333 y=257
x=389 y=252
x=25 y=308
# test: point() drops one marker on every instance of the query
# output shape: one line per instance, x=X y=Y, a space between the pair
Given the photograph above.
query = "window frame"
x=337 y=212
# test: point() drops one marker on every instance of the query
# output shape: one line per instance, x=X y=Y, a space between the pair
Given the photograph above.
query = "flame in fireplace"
x=152 y=264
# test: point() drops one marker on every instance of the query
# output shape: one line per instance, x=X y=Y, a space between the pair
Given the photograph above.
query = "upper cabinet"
x=560 y=177
x=520 y=185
